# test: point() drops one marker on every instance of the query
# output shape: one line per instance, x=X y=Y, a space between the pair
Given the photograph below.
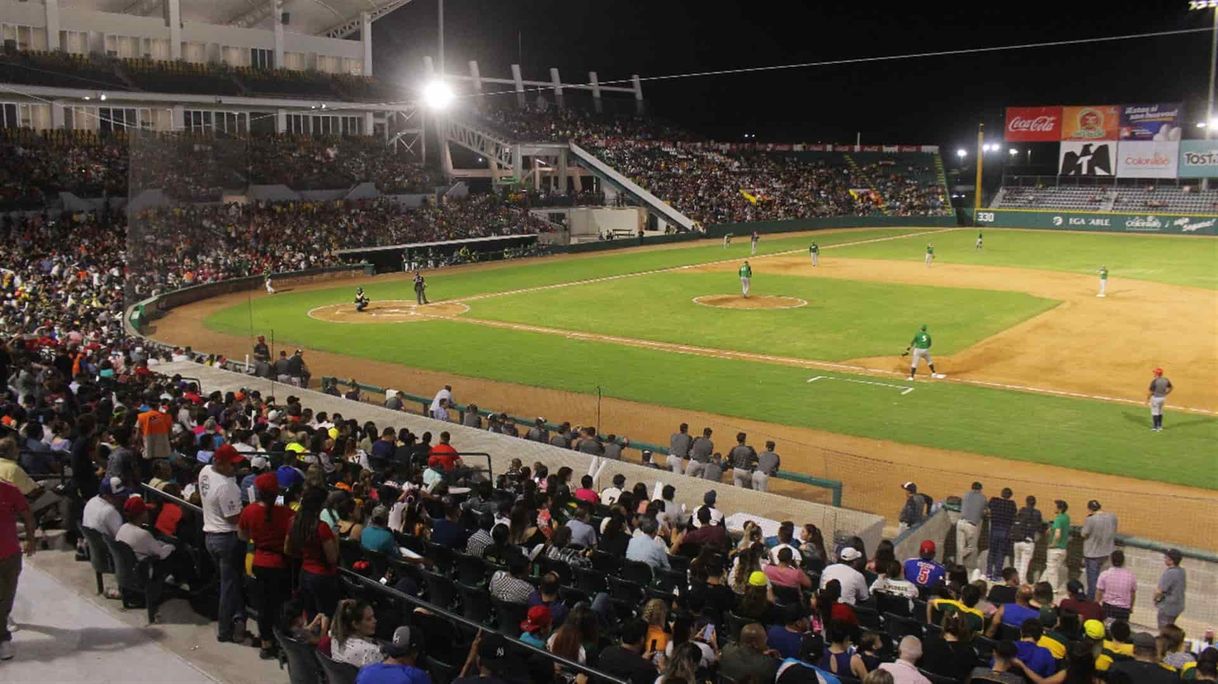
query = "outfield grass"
x=844 y=319
x=1174 y=260
x=1091 y=435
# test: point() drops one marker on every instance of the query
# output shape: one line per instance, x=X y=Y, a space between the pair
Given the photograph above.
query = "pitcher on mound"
x=920 y=346
x=746 y=273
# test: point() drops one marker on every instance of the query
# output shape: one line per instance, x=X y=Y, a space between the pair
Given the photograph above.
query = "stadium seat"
x=303 y=665
x=336 y=672
x=99 y=555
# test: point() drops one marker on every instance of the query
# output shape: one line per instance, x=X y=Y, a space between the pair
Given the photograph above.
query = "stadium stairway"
x=856 y=171
x=612 y=176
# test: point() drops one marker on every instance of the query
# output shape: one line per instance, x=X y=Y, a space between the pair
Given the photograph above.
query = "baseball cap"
x=1093 y=504
x=134 y=506
x=538 y=618
x=1094 y=629
x=405 y=641
x=1074 y=586
x=333 y=432
x=113 y=486
x=910 y=487
x=267 y=482
x=849 y=553
x=1158 y=371
x=757 y=579
x=288 y=476
x=1143 y=640
x=927 y=548
x=260 y=463
x=226 y=454
x=493 y=649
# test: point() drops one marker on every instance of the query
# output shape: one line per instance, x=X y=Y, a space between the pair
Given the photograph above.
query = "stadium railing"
x=373 y=585
x=834 y=486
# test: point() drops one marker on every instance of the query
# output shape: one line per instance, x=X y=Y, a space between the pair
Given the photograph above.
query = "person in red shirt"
x=313 y=541
x=267 y=524
x=446 y=456
x=12 y=505
x=586 y=492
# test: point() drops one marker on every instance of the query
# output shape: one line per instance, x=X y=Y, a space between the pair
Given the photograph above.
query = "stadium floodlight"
x=437 y=95
x=962 y=153
x=1012 y=151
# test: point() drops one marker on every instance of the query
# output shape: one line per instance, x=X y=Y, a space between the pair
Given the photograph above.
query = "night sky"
x=937 y=100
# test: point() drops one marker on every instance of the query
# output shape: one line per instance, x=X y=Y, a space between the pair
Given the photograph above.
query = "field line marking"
x=638 y=274
x=906 y=389
x=785 y=360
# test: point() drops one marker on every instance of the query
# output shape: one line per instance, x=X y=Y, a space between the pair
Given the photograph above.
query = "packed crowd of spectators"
x=36 y=166
x=901 y=187
x=609 y=577
x=544 y=122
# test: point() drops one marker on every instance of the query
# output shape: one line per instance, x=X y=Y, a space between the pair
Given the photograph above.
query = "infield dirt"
x=1118 y=335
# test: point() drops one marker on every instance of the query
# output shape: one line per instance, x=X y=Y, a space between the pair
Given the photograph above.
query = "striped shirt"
x=1118 y=585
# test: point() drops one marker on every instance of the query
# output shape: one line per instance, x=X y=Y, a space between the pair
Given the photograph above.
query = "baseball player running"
x=1156 y=396
x=920 y=346
x=1103 y=281
x=978 y=245
x=814 y=252
x=746 y=273
x=753 y=243
x=930 y=254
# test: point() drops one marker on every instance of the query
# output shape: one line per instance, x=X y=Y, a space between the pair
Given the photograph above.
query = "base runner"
x=920 y=346
x=930 y=254
x=1103 y=281
x=1156 y=396
x=746 y=273
x=814 y=251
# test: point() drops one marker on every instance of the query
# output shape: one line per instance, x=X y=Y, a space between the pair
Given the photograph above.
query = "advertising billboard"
x=1091 y=122
x=1198 y=159
x=1158 y=121
x=1033 y=124
x=1147 y=159
x=1088 y=159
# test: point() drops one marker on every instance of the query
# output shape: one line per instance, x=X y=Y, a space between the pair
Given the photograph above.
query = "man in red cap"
x=923 y=570
x=1156 y=396
x=221 y=508
x=133 y=534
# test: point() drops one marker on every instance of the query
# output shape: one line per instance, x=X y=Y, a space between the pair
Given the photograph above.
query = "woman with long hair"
x=615 y=537
x=682 y=665
x=352 y=633
x=557 y=549
x=266 y=525
x=747 y=562
x=315 y=544
x=884 y=554
x=655 y=614
x=839 y=657
x=827 y=607
x=951 y=654
x=704 y=639
x=813 y=548
x=578 y=635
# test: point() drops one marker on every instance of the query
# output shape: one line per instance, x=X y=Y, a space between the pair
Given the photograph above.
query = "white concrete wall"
x=588 y=221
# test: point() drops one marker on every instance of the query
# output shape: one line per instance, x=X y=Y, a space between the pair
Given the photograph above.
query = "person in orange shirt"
x=154 y=426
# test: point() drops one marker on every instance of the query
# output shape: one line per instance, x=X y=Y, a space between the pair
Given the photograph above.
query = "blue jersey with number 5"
x=924 y=573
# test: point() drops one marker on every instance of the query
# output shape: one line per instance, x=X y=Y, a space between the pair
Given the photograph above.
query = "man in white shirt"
x=708 y=501
x=221 y=508
x=854 y=585
x=101 y=512
x=610 y=495
x=139 y=539
x=446 y=394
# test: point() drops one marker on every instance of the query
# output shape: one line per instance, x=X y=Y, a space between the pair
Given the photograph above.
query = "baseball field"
x=1045 y=383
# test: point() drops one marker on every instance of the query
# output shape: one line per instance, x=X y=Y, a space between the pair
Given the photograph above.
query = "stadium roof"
x=334 y=18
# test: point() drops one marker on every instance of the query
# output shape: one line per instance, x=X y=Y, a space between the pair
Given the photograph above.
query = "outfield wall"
x=823 y=222
x=1099 y=221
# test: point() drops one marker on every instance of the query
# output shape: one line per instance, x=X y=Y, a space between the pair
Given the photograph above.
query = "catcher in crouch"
x=361 y=299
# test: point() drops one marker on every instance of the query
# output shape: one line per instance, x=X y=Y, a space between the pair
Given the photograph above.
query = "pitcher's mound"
x=752 y=302
x=389 y=311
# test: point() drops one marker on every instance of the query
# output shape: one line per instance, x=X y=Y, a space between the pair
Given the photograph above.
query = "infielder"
x=978 y=245
x=753 y=243
x=920 y=346
x=930 y=254
x=1103 y=281
x=727 y=240
x=746 y=272
x=1156 y=396
x=814 y=252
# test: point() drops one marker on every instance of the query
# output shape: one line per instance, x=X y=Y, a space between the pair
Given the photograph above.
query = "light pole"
x=1212 y=6
x=980 y=163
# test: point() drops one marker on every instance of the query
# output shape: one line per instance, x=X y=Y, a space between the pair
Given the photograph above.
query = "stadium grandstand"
x=184 y=527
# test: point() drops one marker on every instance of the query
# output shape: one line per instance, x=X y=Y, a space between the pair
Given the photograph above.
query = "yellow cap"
x=1094 y=629
x=757 y=579
x=333 y=432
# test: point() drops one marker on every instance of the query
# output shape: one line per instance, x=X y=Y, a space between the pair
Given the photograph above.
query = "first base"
x=938 y=376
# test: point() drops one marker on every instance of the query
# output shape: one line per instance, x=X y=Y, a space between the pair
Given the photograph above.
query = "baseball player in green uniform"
x=746 y=272
x=930 y=254
x=814 y=251
x=1103 y=281
x=920 y=346
x=978 y=245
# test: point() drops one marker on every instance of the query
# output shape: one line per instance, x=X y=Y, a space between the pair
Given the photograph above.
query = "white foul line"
x=904 y=389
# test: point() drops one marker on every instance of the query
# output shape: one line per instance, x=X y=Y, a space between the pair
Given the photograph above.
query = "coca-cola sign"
x=1033 y=124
